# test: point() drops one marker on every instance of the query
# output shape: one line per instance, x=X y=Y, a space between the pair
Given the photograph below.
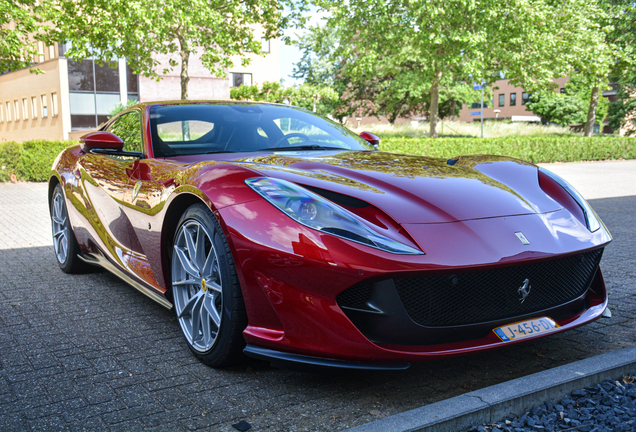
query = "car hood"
x=416 y=189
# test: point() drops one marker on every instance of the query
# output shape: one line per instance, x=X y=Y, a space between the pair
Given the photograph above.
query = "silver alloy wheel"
x=60 y=227
x=196 y=285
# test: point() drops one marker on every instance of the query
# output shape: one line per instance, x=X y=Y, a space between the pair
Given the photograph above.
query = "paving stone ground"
x=88 y=352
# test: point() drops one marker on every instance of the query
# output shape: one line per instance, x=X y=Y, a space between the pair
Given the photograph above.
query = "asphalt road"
x=88 y=352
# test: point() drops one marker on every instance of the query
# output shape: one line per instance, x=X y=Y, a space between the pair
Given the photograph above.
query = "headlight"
x=591 y=220
x=314 y=211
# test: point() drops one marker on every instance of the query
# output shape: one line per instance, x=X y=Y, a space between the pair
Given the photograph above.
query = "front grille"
x=491 y=295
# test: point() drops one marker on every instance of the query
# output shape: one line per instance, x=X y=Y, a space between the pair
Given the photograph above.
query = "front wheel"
x=207 y=296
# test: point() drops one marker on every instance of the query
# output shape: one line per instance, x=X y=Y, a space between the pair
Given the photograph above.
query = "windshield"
x=235 y=128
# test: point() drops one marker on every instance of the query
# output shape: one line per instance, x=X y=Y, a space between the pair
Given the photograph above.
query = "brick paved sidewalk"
x=88 y=352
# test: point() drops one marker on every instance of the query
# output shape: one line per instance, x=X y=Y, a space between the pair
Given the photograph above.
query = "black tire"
x=64 y=241
x=206 y=290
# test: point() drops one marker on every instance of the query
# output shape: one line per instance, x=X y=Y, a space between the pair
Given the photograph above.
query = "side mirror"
x=101 y=140
x=372 y=139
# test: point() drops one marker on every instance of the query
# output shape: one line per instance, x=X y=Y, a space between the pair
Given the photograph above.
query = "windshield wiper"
x=306 y=147
x=218 y=151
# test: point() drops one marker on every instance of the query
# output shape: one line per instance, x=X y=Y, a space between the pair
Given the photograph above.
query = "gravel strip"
x=610 y=406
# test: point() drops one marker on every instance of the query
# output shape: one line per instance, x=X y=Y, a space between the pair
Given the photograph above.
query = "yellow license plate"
x=524 y=329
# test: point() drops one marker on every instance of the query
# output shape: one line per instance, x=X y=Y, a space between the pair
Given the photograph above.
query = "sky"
x=289 y=55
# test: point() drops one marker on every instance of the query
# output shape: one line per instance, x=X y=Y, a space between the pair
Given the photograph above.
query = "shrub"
x=531 y=149
x=9 y=159
x=29 y=161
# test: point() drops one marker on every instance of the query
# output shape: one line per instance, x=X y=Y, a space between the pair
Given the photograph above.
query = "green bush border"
x=31 y=160
x=531 y=149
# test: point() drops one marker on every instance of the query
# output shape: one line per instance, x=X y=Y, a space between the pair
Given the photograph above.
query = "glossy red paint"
x=100 y=139
x=370 y=138
x=461 y=217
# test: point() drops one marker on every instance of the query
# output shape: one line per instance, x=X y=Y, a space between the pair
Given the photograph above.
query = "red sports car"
x=278 y=234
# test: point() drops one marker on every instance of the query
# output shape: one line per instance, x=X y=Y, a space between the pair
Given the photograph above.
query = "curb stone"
x=517 y=396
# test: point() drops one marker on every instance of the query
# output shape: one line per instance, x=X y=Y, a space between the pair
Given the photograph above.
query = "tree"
x=18 y=21
x=569 y=108
x=622 y=112
x=141 y=29
x=317 y=99
x=558 y=108
x=468 y=41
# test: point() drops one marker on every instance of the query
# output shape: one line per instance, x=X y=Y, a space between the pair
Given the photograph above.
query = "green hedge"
x=29 y=161
x=532 y=149
x=32 y=160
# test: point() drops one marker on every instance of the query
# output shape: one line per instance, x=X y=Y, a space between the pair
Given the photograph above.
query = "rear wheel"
x=208 y=300
x=64 y=242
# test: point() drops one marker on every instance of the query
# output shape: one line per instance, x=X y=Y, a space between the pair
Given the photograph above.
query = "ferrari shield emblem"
x=136 y=190
x=523 y=238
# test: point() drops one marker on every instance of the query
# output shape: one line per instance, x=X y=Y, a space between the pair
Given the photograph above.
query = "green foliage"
x=532 y=149
x=559 y=108
x=18 y=20
x=121 y=107
x=29 y=161
x=405 y=49
x=316 y=65
x=321 y=99
x=9 y=159
x=142 y=31
x=622 y=112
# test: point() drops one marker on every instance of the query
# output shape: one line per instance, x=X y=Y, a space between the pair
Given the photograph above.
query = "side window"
x=128 y=128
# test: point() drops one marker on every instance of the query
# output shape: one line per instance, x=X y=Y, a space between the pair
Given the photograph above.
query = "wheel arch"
x=53 y=182
x=177 y=207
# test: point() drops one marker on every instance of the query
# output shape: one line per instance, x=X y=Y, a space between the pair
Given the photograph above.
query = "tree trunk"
x=184 y=52
x=434 y=111
x=591 y=113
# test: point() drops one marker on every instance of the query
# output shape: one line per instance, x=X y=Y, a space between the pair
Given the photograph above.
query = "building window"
x=513 y=99
x=51 y=52
x=239 y=79
x=94 y=92
x=45 y=112
x=132 y=80
x=54 y=104
x=25 y=109
x=264 y=45
x=40 y=51
x=525 y=98
x=502 y=99
x=562 y=90
x=1 y=116
x=477 y=105
x=34 y=106
x=8 y=111
x=16 y=109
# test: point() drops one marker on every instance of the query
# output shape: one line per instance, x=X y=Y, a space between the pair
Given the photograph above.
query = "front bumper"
x=292 y=276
